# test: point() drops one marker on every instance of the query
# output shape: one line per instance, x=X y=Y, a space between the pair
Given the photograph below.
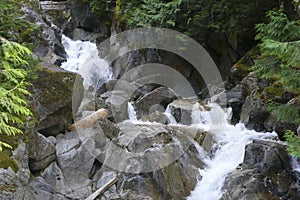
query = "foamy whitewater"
x=231 y=142
x=82 y=58
x=231 y=139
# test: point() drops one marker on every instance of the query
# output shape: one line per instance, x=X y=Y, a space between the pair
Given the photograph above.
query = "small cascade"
x=296 y=168
x=131 y=113
x=83 y=59
x=231 y=142
x=171 y=118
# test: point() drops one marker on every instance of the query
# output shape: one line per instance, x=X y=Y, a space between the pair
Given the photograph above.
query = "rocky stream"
x=153 y=143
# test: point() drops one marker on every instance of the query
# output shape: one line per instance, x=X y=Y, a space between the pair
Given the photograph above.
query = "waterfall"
x=231 y=142
x=131 y=112
x=82 y=58
x=171 y=118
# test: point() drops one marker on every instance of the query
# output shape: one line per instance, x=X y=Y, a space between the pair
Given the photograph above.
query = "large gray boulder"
x=52 y=99
x=182 y=111
x=148 y=103
x=42 y=152
x=266 y=173
x=154 y=156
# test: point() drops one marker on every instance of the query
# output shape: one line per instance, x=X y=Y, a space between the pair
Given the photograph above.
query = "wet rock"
x=118 y=104
x=266 y=173
x=282 y=126
x=14 y=184
x=70 y=189
x=163 y=160
x=156 y=116
x=71 y=154
x=43 y=191
x=242 y=67
x=42 y=152
x=52 y=99
x=254 y=112
x=48 y=46
x=236 y=98
x=160 y=96
x=83 y=18
x=182 y=111
x=139 y=187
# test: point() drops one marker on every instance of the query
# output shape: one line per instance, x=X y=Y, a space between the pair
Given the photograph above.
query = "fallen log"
x=90 y=120
x=102 y=189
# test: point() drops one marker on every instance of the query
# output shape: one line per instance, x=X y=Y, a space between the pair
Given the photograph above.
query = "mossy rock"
x=52 y=100
x=242 y=68
x=11 y=188
x=6 y=162
x=275 y=90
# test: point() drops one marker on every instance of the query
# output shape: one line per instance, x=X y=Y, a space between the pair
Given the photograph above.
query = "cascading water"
x=83 y=59
x=171 y=118
x=131 y=113
x=231 y=139
x=231 y=142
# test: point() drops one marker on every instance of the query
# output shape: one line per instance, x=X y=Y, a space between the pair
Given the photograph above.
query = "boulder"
x=157 y=156
x=71 y=154
x=265 y=173
x=161 y=96
x=14 y=184
x=236 y=98
x=254 y=112
x=41 y=152
x=48 y=46
x=83 y=18
x=52 y=92
x=182 y=110
x=56 y=179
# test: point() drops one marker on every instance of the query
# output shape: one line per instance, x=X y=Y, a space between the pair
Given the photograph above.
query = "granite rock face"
x=266 y=173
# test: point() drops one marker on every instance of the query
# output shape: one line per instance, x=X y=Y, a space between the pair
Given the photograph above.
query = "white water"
x=131 y=113
x=82 y=58
x=231 y=141
x=171 y=118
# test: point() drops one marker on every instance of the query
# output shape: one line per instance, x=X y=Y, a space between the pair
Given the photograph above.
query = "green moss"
x=275 y=90
x=53 y=85
x=242 y=67
x=6 y=161
x=11 y=188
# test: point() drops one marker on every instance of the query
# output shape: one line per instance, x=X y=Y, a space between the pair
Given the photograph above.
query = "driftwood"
x=90 y=120
x=102 y=189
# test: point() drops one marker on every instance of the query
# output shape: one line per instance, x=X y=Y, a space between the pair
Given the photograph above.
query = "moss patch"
x=242 y=67
x=6 y=161
x=11 y=188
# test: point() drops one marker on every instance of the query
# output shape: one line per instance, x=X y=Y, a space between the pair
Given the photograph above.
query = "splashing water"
x=171 y=118
x=131 y=113
x=83 y=59
x=231 y=142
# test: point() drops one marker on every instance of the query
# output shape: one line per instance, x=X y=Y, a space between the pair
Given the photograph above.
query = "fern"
x=293 y=143
x=280 y=61
x=13 y=104
x=153 y=13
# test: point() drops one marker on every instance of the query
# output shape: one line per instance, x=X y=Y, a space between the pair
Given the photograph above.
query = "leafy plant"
x=157 y=13
x=280 y=61
x=13 y=104
x=11 y=21
x=293 y=143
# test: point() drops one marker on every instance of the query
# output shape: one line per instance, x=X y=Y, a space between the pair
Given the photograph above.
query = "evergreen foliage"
x=280 y=61
x=156 y=13
x=13 y=104
x=293 y=144
x=11 y=21
x=15 y=60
